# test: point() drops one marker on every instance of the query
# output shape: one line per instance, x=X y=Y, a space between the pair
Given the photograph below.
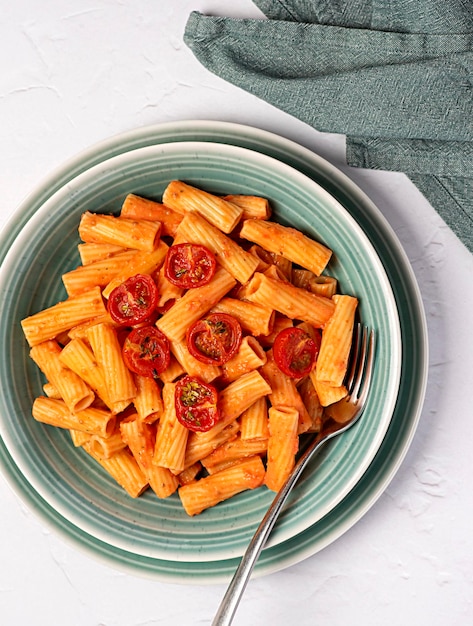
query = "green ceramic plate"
x=70 y=492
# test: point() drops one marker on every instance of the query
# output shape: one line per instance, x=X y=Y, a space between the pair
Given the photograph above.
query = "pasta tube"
x=142 y=263
x=254 y=318
x=140 y=439
x=209 y=491
x=92 y=252
x=336 y=343
x=78 y=357
x=327 y=393
x=71 y=388
x=91 y=420
x=148 y=401
x=239 y=263
x=284 y=392
x=106 y=447
x=320 y=285
x=171 y=437
x=61 y=317
x=199 y=445
x=238 y=396
x=134 y=234
x=250 y=356
x=233 y=451
x=106 y=348
x=98 y=273
x=282 y=446
x=254 y=421
x=123 y=468
x=185 y=198
x=191 y=365
x=137 y=208
x=173 y=371
x=253 y=206
x=51 y=391
x=189 y=474
x=312 y=404
x=166 y=289
x=287 y=242
x=291 y=301
x=79 y=438
x=193 y=305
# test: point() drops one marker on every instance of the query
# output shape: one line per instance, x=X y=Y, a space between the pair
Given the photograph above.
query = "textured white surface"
x=74 y=73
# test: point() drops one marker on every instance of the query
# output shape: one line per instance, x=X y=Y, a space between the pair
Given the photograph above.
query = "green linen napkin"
x=394 y=76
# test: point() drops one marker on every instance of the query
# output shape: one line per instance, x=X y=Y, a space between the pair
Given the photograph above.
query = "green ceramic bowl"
x=69 y=481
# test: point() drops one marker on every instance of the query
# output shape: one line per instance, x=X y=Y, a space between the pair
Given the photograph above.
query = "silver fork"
x=339 y=419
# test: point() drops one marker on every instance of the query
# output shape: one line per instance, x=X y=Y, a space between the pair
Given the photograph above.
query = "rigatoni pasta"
x=70 y=387
x=141 y=263
x=91 y=420
x=253 y=206
x=171 y=438
x=254 y=421
x=287 y=242
x=188 y=199
x=106 y=447
x=282 y=445
x=148 y=399
x=99 y=272
x=336 y=341
x=194 y=304
x=92 y=252
x=220 y=406
x=254 y=318
x=137 y=208
x=124 y=468
x=249 y=357
x=140 y=438
x=237 y=261
x=209 y=491
x=134 y=234
x=61 y=317
x=77 y=355
x=294 y=302
x=119 y=380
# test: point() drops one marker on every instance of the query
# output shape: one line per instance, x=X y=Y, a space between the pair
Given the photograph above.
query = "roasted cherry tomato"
x=215 y=338
x=189 y=265
x=146 y=351
x=133 y=301
x=196 y=404
x=295 y=352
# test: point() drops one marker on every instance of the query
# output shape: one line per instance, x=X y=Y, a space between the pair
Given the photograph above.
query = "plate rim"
x=155 y=131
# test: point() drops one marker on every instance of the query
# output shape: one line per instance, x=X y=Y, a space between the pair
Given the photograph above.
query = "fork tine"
x=359 y=360
x=354 y=357
x=368 y=367
x=361 y=364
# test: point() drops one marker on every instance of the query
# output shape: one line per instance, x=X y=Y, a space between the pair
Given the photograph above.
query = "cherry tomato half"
x=146 y=351
x=189 y=265
x=295 y=352
x=214 y=339
x=133 y=301
x=196 y=404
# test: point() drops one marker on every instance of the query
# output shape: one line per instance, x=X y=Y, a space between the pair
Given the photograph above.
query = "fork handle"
x=231 y=599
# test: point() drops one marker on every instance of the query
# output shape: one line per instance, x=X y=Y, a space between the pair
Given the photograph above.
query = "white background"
x=74 y=73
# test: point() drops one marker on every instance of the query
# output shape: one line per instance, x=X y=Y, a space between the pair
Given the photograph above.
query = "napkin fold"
x=394 y=76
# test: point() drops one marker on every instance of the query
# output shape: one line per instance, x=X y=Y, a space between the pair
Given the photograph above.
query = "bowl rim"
x=160 y=126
